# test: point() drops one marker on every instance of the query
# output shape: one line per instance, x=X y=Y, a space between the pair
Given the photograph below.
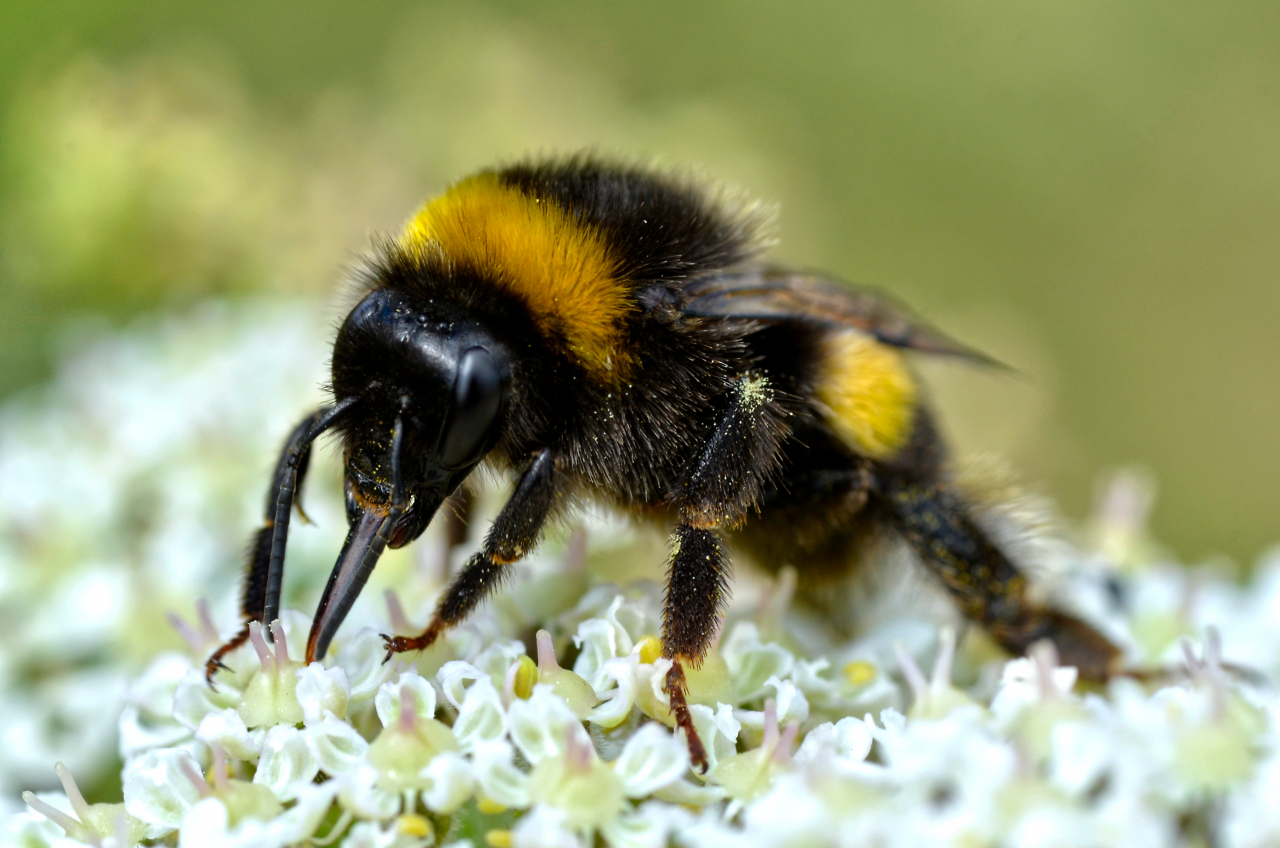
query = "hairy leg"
x=514 y=533
x=989 y=588
x=291 y=470
x=737 y=462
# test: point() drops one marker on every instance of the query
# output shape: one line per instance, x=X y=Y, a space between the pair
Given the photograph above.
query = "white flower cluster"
x=127 y=486
x=278 y=749
x=814 y=739
x=477 y=740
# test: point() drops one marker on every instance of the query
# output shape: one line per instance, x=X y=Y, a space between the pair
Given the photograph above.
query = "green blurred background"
x=1088 y=190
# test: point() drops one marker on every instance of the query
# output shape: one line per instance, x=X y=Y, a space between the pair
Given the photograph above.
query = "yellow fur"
x=868 y=394
x=562 y=270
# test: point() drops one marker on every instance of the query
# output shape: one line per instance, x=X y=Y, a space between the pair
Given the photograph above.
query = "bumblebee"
x=610 y=332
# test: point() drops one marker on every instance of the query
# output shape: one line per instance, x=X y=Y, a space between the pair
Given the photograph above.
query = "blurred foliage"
x=1088 y=190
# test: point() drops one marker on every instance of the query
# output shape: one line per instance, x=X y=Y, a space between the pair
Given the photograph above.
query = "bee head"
x=431 y=385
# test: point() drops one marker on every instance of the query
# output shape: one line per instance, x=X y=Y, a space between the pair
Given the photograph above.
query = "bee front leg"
x=514 y=533
x=737 y=461
x=291 y=470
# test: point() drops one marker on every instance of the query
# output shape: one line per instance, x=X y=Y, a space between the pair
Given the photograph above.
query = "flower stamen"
x=395 y=613
x=260 y=645
x=50 y=812
x=207 y=628
x=78 y=803
x=282 y=646
x=1045 y=655
x=786 y=743
x=771 y=734
x=188 y=633
x=911 y=672
x=195 y=777
x=575 y=555
x=199 y=640
x=408 y=719
x=577 y=751
x=220 y=782
x=546 y=652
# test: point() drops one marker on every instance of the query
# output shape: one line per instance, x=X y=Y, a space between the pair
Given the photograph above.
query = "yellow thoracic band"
x=530 y=247
x=868 y=393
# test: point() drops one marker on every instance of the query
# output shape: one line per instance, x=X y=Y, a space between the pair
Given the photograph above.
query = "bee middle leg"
x=514 y=533
x=737 y=461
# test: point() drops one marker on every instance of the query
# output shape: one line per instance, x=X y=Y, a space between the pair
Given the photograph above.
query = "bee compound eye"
x=477 y=397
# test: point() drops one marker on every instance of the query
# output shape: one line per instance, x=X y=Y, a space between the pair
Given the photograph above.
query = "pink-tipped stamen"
x=786 y=743
x=770 y=740
x=578 y=751
x=575 y=555
x=192 y=774
x=1127 y=501
x=188 y=633
x=260 y=645
x=1045 y=656
x=546 y=652
x=408 y=709
x=207 y=628
x=395 y=613
x=199 y=637
x=219 y=768
x=282 y=646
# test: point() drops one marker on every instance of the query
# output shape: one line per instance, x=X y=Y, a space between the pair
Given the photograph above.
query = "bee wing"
x=773 y=294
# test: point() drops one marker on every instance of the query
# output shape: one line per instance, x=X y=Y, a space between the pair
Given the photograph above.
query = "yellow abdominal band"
x=868 y=393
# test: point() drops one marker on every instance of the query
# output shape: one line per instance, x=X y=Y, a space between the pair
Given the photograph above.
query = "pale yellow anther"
x=490 y=807
x=414 y=825
x=650 y=649
x=525 y=677
x=859 y=672
x=499 y=839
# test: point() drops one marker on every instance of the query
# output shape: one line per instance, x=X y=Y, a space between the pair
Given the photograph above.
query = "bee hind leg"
x=986 y=585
